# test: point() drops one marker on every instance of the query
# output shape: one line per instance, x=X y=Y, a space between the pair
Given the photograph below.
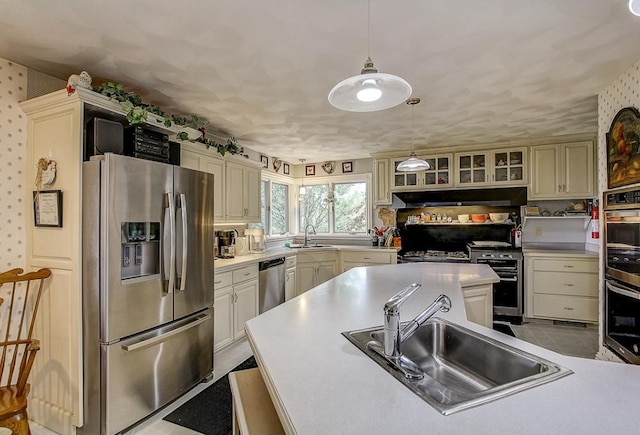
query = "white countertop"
x=323 y=384
x=557 y=249
x=222 y=264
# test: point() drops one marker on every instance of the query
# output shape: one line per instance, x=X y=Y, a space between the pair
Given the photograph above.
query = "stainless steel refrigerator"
x=147 y=287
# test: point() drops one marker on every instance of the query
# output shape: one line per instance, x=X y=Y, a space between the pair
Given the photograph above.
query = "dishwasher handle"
x=263 y=265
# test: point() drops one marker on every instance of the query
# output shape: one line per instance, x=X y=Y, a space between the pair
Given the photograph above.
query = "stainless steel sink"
x=462 y=368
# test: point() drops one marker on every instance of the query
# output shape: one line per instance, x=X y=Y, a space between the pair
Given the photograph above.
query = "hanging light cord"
x=369 y=28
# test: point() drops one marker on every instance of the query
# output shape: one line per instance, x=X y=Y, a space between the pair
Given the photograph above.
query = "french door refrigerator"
x=147 y=287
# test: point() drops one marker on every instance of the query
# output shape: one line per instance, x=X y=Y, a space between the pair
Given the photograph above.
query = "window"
x=275 y=207
x=339 y=207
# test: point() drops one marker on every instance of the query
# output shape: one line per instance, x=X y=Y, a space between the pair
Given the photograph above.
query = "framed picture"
x=264 y=160
x=623 y=148
x=310 y=170
x=347 y=167
x=285 y=168
x=47 y=208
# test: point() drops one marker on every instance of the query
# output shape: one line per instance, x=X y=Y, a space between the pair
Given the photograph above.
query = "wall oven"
x=622 y=273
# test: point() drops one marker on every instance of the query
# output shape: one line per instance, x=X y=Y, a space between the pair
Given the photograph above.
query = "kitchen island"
x=320 y=383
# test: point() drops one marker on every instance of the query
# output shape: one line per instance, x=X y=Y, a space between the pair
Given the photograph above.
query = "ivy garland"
x=137 y=112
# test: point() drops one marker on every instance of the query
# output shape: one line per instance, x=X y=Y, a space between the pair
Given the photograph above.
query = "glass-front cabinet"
x=508 y=167
x=439 y=174
x=496 y=167
x=472 y=169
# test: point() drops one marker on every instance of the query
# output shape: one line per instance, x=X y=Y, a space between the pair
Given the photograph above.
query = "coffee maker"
x=226 y=243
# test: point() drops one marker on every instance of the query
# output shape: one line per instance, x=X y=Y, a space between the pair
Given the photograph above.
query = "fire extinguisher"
x=595 y=223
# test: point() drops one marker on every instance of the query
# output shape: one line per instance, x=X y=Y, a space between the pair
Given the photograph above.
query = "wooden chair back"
x=20 y=296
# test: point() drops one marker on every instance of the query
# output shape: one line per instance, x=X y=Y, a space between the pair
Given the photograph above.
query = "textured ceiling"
x=486 y=71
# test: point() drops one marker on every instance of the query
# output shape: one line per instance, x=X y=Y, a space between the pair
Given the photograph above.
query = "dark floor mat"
x=210 y=411
x=504 y=328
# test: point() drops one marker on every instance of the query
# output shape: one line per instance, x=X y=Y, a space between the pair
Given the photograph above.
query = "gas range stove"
x=435 y=256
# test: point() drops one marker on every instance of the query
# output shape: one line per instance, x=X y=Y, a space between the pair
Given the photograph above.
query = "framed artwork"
x=623 y=148
x=285 y=168
x=347 y=167
x=310 y=170
x=265 y=161
x=47 y=208
x=276 y=164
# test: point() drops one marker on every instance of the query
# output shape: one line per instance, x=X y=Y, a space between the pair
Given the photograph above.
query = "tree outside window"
x=275 y=207
x=335 y=207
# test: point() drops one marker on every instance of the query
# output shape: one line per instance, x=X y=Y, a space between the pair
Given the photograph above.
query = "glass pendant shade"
x=413 y=164
x=634 y=7
x=369 y=92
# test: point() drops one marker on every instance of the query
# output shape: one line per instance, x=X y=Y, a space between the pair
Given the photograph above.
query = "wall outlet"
x=538 y=231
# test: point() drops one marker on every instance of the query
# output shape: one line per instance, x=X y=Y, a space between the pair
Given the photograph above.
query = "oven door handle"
x=623 y=291
x=509 y=280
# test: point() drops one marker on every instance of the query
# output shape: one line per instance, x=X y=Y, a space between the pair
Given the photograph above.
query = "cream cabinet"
x=314 y=267
x=366 y=257
x=290 y=278
x=562 y=171
x=562 y=287
x=242 y=193
x=236 y=191
x=438 y=176
x=235 y=302
x=503 y=167
x=201 y=162
x=478 y=303
x=381 y=186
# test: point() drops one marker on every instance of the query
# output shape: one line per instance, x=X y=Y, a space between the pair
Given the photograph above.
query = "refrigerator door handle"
x=185 y=239
x=136 y=345
x=170 y=277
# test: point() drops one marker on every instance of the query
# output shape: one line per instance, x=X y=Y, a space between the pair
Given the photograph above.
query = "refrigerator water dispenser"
x=140 y=249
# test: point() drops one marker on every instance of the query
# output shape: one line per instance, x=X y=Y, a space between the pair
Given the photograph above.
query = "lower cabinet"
x=290 y=278
x=313 y=268
x=367 y=257
x=235 y=302
x=562 y=288
x=478 y=303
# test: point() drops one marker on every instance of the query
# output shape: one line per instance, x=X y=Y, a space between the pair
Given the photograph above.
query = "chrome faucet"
x=307 y=239
x=394 y=335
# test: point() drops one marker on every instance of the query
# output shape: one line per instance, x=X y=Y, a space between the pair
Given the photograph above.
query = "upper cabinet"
x=236 y=191
x=505 y=167
x=437 y=177
x=242 y=193
x=564 y=170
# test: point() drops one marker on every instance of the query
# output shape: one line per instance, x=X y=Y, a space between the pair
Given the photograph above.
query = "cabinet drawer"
x=223 y=279
x=366 y=257
x=561 y=283
x=245 y=273
x=290 y=262
x=579 y=266
x=566 y=307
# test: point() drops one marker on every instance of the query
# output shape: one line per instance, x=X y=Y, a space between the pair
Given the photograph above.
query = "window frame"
x=331 y=180
x=270 y=178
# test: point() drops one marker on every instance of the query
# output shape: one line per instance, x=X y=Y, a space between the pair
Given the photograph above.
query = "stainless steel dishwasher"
x=271 y=291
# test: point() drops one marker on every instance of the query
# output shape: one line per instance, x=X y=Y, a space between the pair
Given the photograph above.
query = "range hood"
x=506 y=196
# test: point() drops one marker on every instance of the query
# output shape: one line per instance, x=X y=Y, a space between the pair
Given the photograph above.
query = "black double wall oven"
x=622 y=273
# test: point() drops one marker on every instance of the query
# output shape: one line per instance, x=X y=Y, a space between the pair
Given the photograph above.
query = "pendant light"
x=634 y=7
x=413 y=163
x=370 y=90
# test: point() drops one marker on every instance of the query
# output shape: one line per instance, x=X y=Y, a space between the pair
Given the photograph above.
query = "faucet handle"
x=398 y=299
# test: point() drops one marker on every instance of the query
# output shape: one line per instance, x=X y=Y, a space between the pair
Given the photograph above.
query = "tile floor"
x=568 y=339
x=581 y=341
x=224 y=361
